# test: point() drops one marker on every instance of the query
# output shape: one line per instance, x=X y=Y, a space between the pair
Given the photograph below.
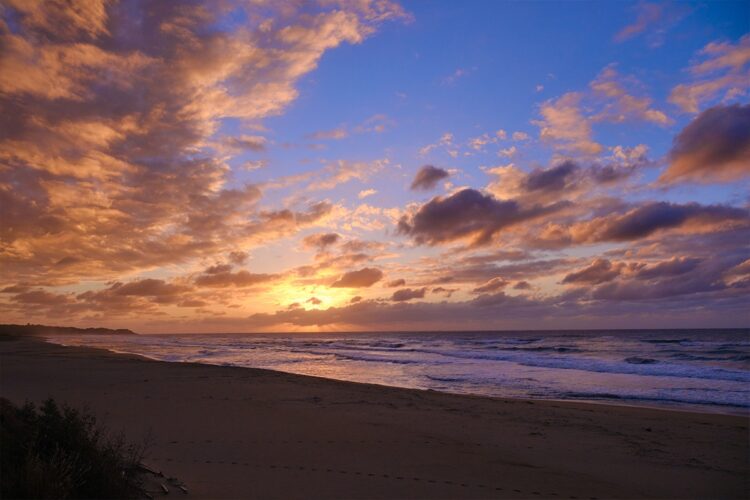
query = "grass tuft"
x=59 y=452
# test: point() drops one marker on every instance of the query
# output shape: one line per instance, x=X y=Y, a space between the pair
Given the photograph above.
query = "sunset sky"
x=229 y=166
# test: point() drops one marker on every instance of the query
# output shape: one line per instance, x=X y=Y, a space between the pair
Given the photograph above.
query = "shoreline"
x=705 y=408
x=675 y=408
x=209 y=420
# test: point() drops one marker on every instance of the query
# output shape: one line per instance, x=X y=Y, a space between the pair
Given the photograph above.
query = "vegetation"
x=59 y=452
x=29 y=329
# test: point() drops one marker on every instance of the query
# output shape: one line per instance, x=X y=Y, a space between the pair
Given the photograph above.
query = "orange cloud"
x=564 y=125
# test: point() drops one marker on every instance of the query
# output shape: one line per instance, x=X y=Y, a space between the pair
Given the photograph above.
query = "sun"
x=311 y=297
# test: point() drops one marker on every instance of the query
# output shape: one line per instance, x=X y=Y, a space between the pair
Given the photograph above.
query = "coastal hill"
x=29 y=329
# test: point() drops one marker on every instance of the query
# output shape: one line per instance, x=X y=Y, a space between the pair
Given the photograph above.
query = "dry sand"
x=238 y=432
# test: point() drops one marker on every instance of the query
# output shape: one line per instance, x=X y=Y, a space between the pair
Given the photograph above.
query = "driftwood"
x=145 y=468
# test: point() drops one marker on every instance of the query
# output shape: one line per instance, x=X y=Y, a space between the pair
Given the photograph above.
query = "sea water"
x=706 y=370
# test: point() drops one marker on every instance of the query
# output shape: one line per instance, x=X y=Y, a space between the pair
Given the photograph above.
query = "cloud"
x=564 y=125
x=335 y=134
x=522 y=285
x=375 y=124
x=237 y=257
x=723 y=70
x=251 y=165
x=396 y=283
x=141 y=294
x=321 y=241
x=647 y=219
x=622 y=106
x=342 y=171
x=115 y=119
x=445 y=140
x=673 y=267
x=674 y=280
x=600 y=271
x=148 y=288
x=714 y=147
x=493 y=285
x=457 y=75
x=427 y=177
x=406 y=294
x=40 y=297
x=478 y=143
x=565 y=179
x=255 y=143
x=365 y=193
x=466 y=214
x=224 y=278
x=361 y=278
x=622 y=223
x=648 y=15
x=554 y=178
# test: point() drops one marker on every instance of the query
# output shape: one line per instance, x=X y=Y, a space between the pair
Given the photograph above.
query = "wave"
x=635 y=360
x=722 y=400
x=665 y=341
x=711 y=368
x=603 y=366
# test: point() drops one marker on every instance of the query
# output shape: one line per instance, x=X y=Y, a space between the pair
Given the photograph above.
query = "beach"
x=231 y=432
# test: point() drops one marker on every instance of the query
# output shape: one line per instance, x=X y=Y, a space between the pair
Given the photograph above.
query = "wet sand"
x=239 y=432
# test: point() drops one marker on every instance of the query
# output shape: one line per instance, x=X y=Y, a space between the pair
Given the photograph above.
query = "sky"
x=368 y=165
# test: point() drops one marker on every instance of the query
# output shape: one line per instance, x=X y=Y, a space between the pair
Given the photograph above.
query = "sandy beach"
x=238 y=433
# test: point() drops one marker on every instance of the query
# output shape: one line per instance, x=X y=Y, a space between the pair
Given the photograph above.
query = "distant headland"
x=29 y=329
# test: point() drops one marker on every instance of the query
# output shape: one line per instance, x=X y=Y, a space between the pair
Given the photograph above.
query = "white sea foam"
x=707 y=369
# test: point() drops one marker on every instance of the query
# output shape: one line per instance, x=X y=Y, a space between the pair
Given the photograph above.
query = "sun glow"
x=311 y=297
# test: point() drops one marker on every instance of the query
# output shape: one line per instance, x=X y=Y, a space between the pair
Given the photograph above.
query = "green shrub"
x=60 y=452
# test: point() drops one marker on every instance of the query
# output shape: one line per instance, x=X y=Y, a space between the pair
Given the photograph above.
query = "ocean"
x=704 y=370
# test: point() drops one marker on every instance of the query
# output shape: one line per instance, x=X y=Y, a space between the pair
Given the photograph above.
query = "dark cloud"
x=321 y=240
x=237 y=257
x=446 y=291
x=224 y=278
x=148 y=288
x=139 y=295
x=495 y=256
x=611 y=173
x=522 y=285
x=468 y=272
x=600 y=271
x=41 y=297
x=395 y=283
x=361 y=278
x=492 y=285
x=218 y=269
x=427 y=177
x=647 y=219
x=245 y=142
x=673 y=267
x=467 y=214
x=406 y=294
x=554 y=178
x=192 y=303
x=715 y=146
